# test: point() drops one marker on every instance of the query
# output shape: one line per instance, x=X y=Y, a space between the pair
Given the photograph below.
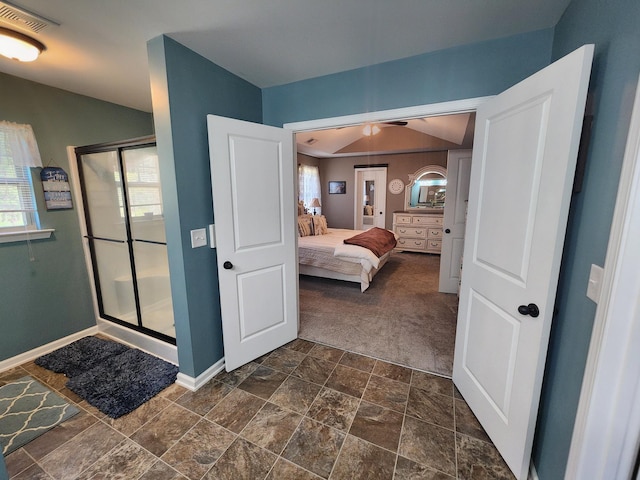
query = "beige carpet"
x=401 y=318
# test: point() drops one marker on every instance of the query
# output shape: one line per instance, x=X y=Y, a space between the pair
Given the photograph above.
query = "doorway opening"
x=307 y=134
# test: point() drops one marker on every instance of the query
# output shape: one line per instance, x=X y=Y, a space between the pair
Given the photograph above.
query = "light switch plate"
x=198 y=238
x=595 y=283
x=212 y=236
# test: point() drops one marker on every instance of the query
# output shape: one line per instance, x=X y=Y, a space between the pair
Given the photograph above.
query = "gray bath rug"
x=121 y=383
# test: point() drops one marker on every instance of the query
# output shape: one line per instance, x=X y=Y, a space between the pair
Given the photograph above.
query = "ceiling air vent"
x=19 y=17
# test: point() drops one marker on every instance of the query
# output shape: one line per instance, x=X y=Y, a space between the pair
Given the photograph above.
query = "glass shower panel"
x=149 y=240
x=107 y=234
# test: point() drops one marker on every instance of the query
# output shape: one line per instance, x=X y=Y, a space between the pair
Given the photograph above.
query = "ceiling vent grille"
x=19 y=17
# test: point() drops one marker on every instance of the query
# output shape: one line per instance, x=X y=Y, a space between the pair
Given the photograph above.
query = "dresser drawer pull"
x=402 y=230
x=418 y=232
x=417 y=242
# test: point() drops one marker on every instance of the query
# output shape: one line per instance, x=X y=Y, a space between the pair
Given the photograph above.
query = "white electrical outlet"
x=198 y=238
x=595 y=283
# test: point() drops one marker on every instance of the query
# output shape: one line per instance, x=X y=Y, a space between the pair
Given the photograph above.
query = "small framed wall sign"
x=57 y=191
x=338 y=187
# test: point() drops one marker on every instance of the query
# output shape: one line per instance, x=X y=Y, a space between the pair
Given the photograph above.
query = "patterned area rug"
x=112 y=377
x=27 y=410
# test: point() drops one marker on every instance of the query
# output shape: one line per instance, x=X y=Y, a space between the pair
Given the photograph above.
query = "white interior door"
x=253 y=182
x=370 y=197
x=526 y=143
x=455 y=213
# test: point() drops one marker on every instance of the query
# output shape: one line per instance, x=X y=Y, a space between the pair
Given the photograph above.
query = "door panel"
x=257 y=206
x=253 y=182
x=255 y=289
x=518 y=181
x=526 y=144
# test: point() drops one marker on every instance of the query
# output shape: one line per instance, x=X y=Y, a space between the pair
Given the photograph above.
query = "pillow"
x=320 y=225
x=305 y=225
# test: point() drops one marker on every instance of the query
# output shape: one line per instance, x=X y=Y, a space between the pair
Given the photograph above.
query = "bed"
x=326 y=255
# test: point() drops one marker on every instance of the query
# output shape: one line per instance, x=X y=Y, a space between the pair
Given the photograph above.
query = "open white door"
x=526 y=144
x=370 y=197
x=253 y=182
x=455 y=214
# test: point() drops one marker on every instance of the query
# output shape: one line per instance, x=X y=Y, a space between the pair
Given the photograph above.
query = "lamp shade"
x=18 y=46
x=315 y=203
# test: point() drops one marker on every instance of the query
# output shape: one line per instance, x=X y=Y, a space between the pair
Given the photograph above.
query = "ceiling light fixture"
x=18 y=46
x=369 y=130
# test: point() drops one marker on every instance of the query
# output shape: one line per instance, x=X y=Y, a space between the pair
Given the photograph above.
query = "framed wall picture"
x=57 y=191
x=338 y=187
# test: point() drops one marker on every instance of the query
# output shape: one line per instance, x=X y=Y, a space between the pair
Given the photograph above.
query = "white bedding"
x=330 y=253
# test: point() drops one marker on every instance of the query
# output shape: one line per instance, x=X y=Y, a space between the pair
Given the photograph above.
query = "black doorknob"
x=447 y=231
x=531 y=309
x=227 y=265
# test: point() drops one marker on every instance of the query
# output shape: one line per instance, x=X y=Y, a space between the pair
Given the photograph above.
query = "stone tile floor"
x=304 y=411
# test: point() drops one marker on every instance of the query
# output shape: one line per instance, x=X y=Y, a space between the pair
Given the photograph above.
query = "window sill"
x=7 y=237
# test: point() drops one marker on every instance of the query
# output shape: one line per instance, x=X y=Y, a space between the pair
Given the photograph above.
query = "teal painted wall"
x=476 y=70
x=49 y=298
x=185 y=88
x=613 y=27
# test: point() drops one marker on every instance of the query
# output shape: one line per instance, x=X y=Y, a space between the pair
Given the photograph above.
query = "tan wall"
x=339 y=208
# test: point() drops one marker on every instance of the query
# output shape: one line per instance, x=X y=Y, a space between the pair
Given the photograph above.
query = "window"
x=143 y=188
x=309 y=185
x=18 y=152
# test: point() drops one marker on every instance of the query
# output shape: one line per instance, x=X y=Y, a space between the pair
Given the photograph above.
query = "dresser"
x=418 y=232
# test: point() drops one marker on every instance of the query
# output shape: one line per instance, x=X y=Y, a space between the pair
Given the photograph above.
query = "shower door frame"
x=118 y=147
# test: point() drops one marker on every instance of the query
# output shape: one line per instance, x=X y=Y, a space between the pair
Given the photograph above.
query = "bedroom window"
x=18 y=152
x=309 y=186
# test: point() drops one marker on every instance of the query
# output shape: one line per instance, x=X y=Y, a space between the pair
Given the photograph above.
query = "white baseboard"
x=135 y=339
x=194 y=384
x=44 y=349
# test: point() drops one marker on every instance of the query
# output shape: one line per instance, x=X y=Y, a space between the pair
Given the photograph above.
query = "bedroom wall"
x=613 y=28
x=49 y=298
x=339 y=209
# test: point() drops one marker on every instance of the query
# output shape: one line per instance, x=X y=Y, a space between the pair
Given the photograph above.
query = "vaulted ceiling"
x=447 y=132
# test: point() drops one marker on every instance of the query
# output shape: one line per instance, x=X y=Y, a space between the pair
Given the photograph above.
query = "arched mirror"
x=427 y=189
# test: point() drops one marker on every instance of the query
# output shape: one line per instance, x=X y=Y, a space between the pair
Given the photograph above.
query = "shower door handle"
x=227 y=265
x=91 y=237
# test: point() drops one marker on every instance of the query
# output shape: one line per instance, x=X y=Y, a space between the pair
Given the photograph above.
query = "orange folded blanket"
x=376 y=239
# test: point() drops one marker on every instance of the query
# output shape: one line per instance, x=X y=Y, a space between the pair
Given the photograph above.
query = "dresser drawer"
x=403 y=219
x=427 y=220
x=417 y=243
x=411 y=231
x=435 y=233
x=434 y=245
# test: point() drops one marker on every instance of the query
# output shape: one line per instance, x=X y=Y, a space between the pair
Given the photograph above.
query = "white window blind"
x=18 y=152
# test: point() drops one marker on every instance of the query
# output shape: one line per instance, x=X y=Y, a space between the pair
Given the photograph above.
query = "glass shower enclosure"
x=122 y=198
